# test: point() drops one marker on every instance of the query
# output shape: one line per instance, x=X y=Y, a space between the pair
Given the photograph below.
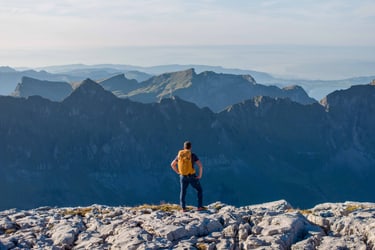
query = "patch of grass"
x=78 y=211
x=201 y=246
x=352 y=207
x=162 y=207
x=291 y=210
x=305 y=211
x=10 y=231
x=218 y=206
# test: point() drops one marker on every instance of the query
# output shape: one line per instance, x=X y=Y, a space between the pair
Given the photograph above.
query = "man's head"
x=187 y=145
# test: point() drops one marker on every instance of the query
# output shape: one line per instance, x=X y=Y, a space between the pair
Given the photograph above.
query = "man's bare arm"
x=200 y=169
x=174 y=166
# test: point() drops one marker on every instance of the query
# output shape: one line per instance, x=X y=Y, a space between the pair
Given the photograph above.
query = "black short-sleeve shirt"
x=194 y=157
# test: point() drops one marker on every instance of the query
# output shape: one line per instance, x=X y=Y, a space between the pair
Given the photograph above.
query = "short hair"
x=187 y=145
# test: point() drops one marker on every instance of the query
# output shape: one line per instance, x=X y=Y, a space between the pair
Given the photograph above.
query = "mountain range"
x=10 y=78
x=158 y=70
x=94 y=147
x=75 y=73
x=207 y=89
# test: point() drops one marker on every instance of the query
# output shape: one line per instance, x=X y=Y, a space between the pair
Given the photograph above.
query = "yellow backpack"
x=185 y=162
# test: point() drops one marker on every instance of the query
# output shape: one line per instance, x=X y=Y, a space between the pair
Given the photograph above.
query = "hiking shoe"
x=201 y=208
x=184 y=210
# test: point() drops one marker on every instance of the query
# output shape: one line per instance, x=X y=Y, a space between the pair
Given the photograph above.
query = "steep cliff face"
x=350 y=112
x=9 y=78
x=96 y=148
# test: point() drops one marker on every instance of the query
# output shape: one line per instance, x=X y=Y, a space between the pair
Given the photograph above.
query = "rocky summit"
x=273 y=225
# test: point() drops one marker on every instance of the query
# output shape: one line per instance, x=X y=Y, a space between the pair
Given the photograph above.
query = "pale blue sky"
x=28 y=28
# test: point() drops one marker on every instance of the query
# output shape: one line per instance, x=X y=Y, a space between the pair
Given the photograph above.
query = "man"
x=185 y=160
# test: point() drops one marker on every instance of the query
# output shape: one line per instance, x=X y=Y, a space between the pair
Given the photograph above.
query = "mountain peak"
x=116 y=77
x=293 y=87
x=188 y=73
x=89 y=90
x=298 y=94
x=119 y=83
x=249 y=78
x=6 y=69
x=88 y=81
x=89 y=86
x=348 y=98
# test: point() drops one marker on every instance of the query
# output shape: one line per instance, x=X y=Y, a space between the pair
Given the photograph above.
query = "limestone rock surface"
x=273 y=225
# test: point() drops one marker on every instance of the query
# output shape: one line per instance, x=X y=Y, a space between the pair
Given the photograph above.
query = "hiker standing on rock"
x=185 y=161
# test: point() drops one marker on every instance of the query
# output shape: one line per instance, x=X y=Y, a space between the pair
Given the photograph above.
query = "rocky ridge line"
x=274 y=225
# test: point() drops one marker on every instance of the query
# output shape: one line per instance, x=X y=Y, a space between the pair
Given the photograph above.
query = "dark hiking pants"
x=194 y=182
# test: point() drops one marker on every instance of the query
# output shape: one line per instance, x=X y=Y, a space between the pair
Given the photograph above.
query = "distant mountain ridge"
x=9 y=77
x=74 y=73
x=161 y=69
x=207 y=89
x=94 y=147
x=317 y=89
x=55 y=91
x=210 y=89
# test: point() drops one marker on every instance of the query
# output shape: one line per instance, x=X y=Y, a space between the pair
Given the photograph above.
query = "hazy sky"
x=63 y=27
